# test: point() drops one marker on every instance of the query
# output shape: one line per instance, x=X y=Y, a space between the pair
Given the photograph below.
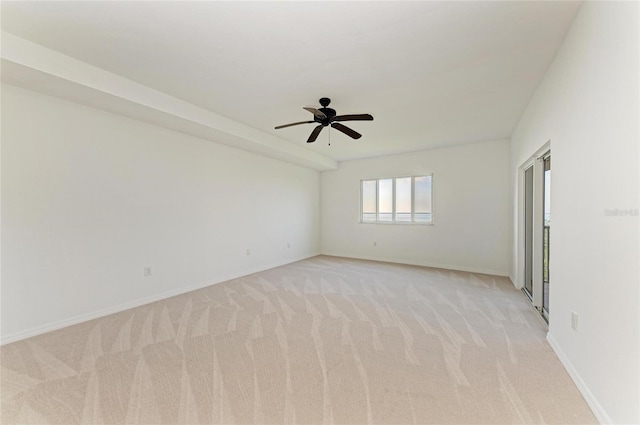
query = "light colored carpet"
x=324 y=340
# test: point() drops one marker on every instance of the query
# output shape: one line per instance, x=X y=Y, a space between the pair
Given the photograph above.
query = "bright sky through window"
x=403 y=199
x=385 y=200
x=397 y=200
x=369 y=197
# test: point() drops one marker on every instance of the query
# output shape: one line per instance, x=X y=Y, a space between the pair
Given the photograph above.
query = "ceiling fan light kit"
x=325 y=117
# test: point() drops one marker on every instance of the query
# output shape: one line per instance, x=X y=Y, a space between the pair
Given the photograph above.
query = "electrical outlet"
x=574 y=321
x=147 y=271
x=248 y=252
x=288 y=244
x=375 y=244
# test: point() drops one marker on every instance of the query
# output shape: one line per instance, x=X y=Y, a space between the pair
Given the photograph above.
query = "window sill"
x=398 y=223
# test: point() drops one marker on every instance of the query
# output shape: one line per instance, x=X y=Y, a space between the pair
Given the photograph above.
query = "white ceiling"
x=431 y=73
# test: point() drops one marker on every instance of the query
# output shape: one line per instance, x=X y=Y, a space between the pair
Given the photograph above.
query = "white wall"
x=471 y=209
x=90 y=198
x=587 y=106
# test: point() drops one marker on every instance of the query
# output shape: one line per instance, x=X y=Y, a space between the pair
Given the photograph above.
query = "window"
x=397 y=200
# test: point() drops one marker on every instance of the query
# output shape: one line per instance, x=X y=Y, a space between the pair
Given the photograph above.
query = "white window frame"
x=393 y=201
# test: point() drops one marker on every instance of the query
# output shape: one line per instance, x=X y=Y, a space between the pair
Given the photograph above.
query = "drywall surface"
x=587 y=106
x=89 y=199
x=470 y=201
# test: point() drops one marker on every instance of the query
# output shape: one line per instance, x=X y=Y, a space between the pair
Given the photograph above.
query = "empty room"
x=363 y=212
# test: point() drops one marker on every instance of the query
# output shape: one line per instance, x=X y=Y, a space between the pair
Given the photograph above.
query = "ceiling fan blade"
x=293 y=123
x=346 y=130
x=354 y=117
x=314 y=134
x=315 y=112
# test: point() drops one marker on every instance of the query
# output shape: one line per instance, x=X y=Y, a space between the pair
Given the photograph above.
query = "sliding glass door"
x=546 y=234
x=528 y=231
x=536 y=231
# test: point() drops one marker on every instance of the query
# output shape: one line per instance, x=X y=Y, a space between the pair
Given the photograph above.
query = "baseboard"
x=38 y=330
x=422 y=263
x=515 y=282
x=592 y=402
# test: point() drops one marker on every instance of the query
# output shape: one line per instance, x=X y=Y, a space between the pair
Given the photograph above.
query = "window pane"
x=403 y=199
x=369 y=200
x=423 y=199
x=385 y=200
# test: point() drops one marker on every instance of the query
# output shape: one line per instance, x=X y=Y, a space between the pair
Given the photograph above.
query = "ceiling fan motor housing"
x=330 y=113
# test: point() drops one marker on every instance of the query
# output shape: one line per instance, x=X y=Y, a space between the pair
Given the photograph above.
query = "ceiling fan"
x=326 y=116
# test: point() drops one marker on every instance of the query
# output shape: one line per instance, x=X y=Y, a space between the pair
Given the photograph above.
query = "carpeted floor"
x=324 y=340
